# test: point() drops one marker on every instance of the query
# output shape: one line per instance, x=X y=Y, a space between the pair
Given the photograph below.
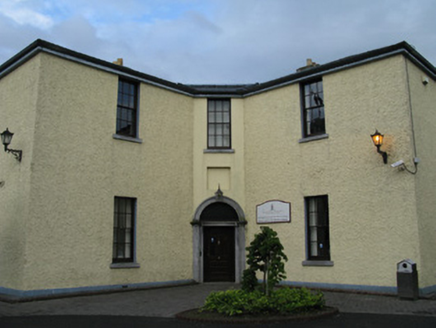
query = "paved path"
x=159 y=302
x=166 y=302
x=361 y=303
x=353 y=320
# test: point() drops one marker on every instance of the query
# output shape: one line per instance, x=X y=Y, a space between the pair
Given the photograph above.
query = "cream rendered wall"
x=423 y=99
x=233 y=162
x=18 y=98
x=372 y=210
x=78 y=168
x=57 y=204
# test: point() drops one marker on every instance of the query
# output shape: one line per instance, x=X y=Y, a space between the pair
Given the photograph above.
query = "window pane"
x=307 y=103
x=120 y=252
x=122 y=205
x=211 y=129
x=124 y=128
x=123 y=229
x=128 y=203
x=313 y=108
x=317 y=124
x=212 y=142
x=126 y=109
x=219 y=129
x=323 y=214
x=321 y=99
x=115 y=234
x=226 y=131
x=128 y=236
x=211 y=106
x=126 y=87
x=130 y=116
x=124 y=100
x=219 y=141
x=226 y=106
x=127 y=251
x=115 y=219
x=313 y=220
x=319 y=86
x=313 y=235
x=219 y=118
x=123 y=113
x=312 y=205
x=317 y=228
x=321 y=112
x=308 y=121
x=226 y=142
x=307 y=89
x=312 y=100
x=313 y=249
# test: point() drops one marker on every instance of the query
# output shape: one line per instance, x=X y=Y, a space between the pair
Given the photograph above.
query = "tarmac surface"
x=157 y=307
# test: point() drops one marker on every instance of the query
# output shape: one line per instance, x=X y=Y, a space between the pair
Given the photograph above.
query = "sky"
x=218 y=41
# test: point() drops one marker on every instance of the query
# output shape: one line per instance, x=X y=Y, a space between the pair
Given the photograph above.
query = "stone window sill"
x=309 y=139
x=318 y=263
x=212 y=151
x=120 y=137
x=129 y=265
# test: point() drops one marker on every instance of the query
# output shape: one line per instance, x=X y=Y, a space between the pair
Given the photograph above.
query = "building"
x=127 y=180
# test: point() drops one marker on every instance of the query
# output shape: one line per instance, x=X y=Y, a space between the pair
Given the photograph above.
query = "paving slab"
x=159 y=302
x=166 y=302
x=379 y=304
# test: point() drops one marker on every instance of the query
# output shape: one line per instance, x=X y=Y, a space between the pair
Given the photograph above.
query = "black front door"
x=219 y=253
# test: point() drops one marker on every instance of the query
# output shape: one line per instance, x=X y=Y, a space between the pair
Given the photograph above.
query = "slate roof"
x=239 y=90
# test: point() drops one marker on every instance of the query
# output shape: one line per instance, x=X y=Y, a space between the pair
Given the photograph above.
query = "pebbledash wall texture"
x=92 y=207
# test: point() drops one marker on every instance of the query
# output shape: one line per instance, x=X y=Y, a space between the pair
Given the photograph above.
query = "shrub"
x=289 y=300
x=232 y=302
x=249 y=280
x=265 y=254
x=281 y=302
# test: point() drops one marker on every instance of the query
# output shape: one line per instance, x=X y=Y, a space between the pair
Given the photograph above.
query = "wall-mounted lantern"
x=6 y=140
x=377 y=138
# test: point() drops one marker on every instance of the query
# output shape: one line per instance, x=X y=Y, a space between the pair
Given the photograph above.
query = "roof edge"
x=343 y=63
x=40 y=45
x=202 y=90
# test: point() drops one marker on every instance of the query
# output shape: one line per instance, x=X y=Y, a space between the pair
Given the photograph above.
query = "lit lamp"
x=6 y=140
x=377 y=138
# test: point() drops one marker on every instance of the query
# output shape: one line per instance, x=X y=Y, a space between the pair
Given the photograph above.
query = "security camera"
x=425 y=80
x=397 y=164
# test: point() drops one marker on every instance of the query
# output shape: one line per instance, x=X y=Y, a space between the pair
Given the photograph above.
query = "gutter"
x=190 y=90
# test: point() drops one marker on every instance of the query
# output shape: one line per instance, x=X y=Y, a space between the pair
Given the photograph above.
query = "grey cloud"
x=239 y=41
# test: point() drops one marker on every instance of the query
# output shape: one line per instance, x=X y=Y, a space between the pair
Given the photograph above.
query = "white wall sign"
x=274 y=211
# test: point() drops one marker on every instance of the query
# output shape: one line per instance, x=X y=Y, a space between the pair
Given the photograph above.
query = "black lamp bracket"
x=17 y=153
x=384 y=154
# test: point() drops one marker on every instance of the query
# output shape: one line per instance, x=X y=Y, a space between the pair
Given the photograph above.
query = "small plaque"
x=274 y=211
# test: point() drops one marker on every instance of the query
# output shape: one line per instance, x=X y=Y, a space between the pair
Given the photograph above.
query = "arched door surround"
x=217 y=219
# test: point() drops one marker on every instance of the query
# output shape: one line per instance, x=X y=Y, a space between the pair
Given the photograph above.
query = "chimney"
x=309 y=64
x=119 y=61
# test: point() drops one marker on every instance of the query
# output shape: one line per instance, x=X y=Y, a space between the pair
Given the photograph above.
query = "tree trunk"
x=265 y=278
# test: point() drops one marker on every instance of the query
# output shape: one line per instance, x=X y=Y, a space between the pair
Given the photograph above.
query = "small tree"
x=265 y=254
